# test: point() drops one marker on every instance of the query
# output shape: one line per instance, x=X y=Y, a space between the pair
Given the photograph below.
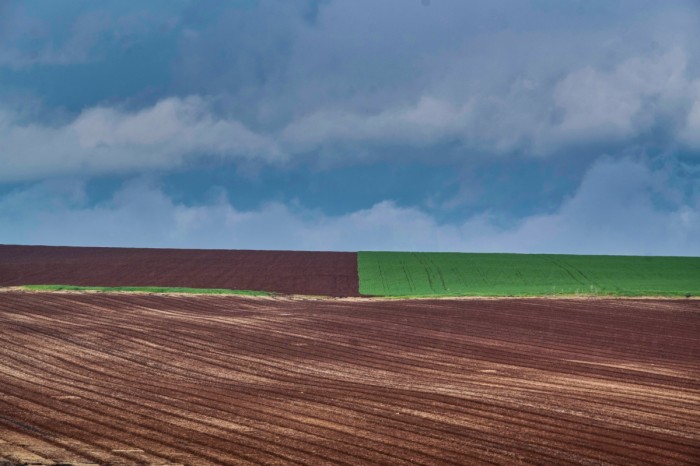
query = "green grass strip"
x=147 y=289
x=405 y=274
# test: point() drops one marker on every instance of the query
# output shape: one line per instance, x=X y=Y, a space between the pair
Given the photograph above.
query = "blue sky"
x=440 y=125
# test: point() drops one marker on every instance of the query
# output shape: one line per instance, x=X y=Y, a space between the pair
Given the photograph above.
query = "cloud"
x=616 y=210
x=531 y=78
x=427 y=122
x=587 y=106
x=108 y=140
x=621 y=207
x=36 y=34
x=325 y=82
x=629 y=100
x=690 y=133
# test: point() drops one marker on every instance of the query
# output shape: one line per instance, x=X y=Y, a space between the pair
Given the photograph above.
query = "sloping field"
x=466 y=274
x=153 y=379
x=293 y=272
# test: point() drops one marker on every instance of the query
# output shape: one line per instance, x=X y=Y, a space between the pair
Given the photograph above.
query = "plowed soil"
x=291 y=272
x=153 y=379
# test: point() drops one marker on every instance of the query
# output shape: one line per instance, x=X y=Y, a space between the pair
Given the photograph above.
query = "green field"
x=470 y=274
x=146 y=289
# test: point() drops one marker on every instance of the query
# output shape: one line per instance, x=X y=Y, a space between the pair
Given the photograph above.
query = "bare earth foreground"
x=153 y=379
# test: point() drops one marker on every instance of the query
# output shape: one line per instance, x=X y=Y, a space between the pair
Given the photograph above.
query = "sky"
x=529 y=126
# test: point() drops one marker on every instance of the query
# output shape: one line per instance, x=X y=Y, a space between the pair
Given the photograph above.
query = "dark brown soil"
x=292 y=272
x=153 y=379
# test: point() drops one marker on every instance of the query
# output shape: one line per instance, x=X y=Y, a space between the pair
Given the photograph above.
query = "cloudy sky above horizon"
x=436 y=125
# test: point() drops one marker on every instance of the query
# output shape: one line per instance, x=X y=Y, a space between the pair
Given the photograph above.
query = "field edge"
x=148 y=290
x=68 y=289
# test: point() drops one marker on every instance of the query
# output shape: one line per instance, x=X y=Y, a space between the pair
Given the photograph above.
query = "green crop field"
x=471 y=274
x=146 y=289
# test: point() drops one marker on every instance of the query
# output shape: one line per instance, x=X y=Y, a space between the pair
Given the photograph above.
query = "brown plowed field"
x=291 y=272
x=154 y=379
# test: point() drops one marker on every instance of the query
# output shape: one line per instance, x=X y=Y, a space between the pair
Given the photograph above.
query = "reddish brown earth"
x=291 y=272
x=154 y=379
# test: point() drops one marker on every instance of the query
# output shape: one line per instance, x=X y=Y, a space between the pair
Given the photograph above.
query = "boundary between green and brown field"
x=262 y=294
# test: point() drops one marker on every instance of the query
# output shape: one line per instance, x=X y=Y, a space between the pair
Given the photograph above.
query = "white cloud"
x=624 y=102
x=586 y=106
x=107 y=140
x=613 y=212
x=429 y=121
x=690 y=133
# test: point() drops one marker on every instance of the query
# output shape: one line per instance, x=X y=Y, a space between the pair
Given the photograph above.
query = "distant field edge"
x=554 y=295
x=435 y=275
x=146 y=289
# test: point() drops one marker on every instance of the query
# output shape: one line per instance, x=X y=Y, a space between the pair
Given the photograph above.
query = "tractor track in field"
x=112 y=378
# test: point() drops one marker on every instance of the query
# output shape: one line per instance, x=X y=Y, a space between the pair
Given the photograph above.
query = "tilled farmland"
x=176 y=379
x=289 y=272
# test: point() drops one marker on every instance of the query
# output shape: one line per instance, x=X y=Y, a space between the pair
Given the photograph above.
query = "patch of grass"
x=147 y=289
x=471 y=274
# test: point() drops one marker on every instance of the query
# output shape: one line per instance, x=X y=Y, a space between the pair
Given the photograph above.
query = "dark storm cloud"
x=501 y=77
x=351 y=82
